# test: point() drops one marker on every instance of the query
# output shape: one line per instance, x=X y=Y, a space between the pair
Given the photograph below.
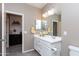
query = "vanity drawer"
x=47 y=44
x=47 y=51
x=56 y=45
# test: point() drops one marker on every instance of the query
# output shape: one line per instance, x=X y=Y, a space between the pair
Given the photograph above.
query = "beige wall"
x=30 y=14
x=70 y=23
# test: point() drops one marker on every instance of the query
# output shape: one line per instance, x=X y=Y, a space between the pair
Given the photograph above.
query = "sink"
x=49 y=38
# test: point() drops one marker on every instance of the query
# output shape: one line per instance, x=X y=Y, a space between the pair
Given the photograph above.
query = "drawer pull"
x=54 y=49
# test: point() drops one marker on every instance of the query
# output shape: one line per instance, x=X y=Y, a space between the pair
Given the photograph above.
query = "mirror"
x=41 y=27
x=38 y=24
x=50 y=25
x=54 y=23
x=44 y=25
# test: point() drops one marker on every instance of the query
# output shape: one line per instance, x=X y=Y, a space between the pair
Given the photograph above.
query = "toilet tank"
x=73 y=50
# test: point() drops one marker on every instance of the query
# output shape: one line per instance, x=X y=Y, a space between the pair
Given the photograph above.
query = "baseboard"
x=28 y=50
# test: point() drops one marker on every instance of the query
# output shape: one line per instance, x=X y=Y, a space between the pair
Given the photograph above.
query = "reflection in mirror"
x=54 y=28
x=41 y=27
x=38 y=24
x=56 y=25
x=53 y=25
x=44 y=25
x=49 y=26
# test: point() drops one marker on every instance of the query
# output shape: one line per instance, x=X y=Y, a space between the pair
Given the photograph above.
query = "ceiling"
x=38 y=5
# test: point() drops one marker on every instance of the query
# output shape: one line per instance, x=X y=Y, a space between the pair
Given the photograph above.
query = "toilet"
x=73 y=50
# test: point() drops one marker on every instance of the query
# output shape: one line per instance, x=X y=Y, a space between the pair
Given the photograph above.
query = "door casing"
x=16 y=13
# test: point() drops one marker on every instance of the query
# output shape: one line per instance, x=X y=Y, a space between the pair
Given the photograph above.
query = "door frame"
x=21 y=14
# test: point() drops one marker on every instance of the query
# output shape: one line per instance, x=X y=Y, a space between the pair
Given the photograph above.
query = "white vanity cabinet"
x=46 y=48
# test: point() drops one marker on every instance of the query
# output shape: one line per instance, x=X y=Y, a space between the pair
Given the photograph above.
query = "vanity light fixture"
x=33 y=30
x=45 y=15
x=48 y=13
x=51 y=11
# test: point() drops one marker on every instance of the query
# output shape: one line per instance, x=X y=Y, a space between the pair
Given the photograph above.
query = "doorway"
x=14 y=34
x=55 y=28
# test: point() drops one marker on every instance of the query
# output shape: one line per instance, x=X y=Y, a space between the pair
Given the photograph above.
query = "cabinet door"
x=47 y=51
x=37 y=46
x=58 y=47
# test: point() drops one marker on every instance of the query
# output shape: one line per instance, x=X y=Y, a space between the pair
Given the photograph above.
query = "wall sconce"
x=45 y=15
x=48 y=13
x=33 y=30
x=51 y=11
x=49 y=29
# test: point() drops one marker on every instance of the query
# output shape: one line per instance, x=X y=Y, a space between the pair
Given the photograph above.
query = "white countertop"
x=50 y=39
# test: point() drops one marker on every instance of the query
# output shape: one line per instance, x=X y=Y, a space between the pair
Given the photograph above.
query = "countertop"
x=48 y=38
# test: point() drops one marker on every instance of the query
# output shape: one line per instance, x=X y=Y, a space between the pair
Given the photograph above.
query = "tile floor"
x=16 y=51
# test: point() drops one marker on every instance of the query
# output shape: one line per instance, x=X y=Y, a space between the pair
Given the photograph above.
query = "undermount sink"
x=49 y=38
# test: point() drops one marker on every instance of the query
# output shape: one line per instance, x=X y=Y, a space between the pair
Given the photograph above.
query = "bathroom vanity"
x=47 y=45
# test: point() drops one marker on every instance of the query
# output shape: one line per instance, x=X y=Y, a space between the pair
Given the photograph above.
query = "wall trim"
x=28 y=50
